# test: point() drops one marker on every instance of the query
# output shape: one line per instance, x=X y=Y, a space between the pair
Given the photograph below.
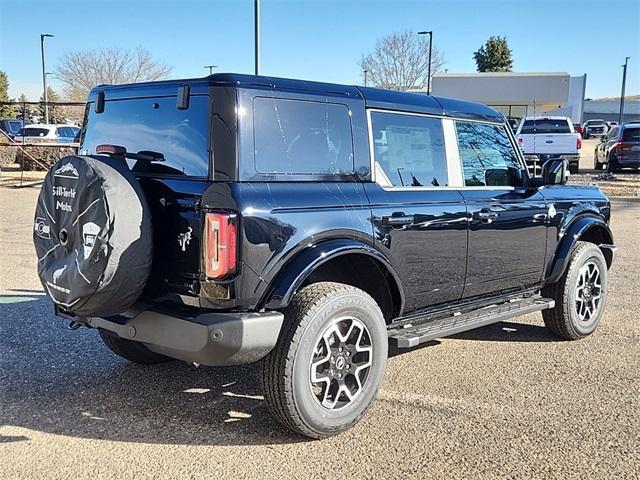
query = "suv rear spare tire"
x=93 y=237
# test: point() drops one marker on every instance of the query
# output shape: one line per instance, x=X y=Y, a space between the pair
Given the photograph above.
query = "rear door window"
x=631 y=135
x=546 y=126
x=299 y=137
x=408 y=150
x=154 y=124
x=488 y=157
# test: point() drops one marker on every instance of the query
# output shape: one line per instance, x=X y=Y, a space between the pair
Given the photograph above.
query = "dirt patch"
x=616 y=185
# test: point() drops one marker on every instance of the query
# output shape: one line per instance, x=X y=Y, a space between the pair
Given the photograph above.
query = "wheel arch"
x=587 y=228
x=340 y=260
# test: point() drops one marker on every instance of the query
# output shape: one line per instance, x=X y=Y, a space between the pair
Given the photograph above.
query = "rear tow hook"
x=73 y=325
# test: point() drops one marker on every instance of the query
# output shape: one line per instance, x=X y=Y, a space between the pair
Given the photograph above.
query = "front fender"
x=296 y=271
x=587 y=227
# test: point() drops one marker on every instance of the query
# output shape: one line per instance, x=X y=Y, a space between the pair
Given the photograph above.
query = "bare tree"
x=81 y=70
x=400 y=61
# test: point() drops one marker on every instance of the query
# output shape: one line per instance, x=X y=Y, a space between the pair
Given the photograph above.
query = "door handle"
x=486 y=216
x=539 y=217
x=398 y=220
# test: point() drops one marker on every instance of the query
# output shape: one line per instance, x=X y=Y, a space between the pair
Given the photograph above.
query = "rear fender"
x=296 y=271
x=585 y=228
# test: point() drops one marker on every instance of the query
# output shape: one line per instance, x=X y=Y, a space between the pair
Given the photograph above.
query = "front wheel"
x=580 y=294
x=329 y=361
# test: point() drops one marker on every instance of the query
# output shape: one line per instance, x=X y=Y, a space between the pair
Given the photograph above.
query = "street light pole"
x=256 y=33
x=624 y=81
x=211 y=67
x=44 y=77
x=365 y=77
x=430 y=33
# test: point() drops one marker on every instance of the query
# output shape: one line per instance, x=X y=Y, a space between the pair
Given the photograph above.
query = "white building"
x=517 y=94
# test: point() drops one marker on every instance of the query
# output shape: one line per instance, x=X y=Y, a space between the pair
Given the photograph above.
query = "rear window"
x=33 y=132
x=154 y=124
x=546 y=125
x=631 y=135
x=302 y=137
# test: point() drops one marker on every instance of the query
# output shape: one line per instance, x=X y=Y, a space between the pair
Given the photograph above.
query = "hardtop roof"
x=373 y=97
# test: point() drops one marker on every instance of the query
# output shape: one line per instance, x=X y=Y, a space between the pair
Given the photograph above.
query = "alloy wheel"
x=588 y=292
x=341 y=363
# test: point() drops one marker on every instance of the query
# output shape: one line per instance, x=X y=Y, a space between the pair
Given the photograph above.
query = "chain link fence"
x=28 y=148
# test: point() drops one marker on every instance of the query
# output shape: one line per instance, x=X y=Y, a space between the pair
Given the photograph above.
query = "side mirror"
x=555 y=172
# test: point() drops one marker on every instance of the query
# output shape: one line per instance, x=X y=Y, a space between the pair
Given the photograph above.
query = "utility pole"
x=365 y=77
x=624 y=81
x=256 y=34
x=44 y=77
x=211 y=67
x=430 y=33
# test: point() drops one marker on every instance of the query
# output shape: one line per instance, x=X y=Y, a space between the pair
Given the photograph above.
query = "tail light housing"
x=579 y=142
x=220 y=246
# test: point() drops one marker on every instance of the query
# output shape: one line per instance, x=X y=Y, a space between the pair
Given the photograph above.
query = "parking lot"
x=507 y=400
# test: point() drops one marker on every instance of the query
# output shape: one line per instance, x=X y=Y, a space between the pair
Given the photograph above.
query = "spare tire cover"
x=93 y=236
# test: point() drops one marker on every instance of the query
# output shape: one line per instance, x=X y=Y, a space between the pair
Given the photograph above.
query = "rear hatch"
x=629 y=146
x=146 y=118
x=546 y=136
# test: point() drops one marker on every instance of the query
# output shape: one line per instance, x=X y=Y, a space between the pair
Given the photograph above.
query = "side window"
x=302 y=137
x=408 y=150
x=487 y=156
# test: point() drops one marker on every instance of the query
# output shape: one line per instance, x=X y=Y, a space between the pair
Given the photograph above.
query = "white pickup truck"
x=543 y=138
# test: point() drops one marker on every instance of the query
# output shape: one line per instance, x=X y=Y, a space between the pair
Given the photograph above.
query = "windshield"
x=546 y=125
x=595 y=123
x=157 y=125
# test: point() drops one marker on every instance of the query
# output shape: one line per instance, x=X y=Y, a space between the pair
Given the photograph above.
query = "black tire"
x=133 y=351
x=573 y=168
x=612 y=164
x=564 y=320
x=93 y=236
x=287 y=379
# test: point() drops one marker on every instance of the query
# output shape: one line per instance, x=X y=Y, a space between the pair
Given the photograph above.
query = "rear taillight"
x=579 y=142
x=519 y=140
x=620 y=146
x=220 y=251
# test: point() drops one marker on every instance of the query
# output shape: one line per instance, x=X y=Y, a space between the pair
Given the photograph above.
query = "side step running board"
x=414 y=334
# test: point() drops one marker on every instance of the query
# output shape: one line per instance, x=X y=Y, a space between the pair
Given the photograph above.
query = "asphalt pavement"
x=505 y=401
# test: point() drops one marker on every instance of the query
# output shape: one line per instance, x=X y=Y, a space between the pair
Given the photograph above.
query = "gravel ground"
x=504 y=401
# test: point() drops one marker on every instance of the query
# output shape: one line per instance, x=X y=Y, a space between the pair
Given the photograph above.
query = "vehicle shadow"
x=67 y=382
x=509 y=332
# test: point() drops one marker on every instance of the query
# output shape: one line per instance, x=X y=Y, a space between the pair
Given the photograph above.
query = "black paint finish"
x=438 y=246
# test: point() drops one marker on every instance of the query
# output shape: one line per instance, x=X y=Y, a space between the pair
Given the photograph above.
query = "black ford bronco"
x=237 y=218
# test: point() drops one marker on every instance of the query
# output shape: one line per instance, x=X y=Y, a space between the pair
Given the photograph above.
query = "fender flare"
x=572 y=235
x=287 y=282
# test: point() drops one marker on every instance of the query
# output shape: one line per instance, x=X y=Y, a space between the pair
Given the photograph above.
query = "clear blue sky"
x=323 y=40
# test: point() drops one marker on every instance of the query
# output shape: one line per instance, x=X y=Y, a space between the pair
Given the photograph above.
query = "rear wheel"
x=580 y=294
x=329 y=361
x=596 y=161
x=133 y=351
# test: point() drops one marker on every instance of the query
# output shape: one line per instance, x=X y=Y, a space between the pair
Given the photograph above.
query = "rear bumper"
x=212 y=338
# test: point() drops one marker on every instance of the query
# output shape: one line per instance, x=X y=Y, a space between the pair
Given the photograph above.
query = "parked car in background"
x=543 y=138
x=610 y=125
x=620 y=148
x=593 y=128
x=60 y=133
x=11 y=126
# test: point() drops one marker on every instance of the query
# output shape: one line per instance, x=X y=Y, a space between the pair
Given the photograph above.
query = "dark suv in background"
x=620 y=148
x=235 y=218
